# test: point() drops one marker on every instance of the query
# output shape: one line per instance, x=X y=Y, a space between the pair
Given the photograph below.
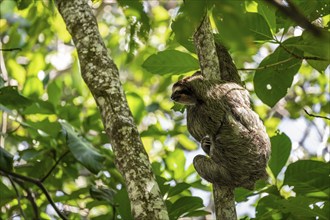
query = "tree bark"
x=211 y=63
x=102 y=77
x=206 y=51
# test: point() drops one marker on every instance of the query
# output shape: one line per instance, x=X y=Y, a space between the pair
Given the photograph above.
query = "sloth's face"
x=182 y=94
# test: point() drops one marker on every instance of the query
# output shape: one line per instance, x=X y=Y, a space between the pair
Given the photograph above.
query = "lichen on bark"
x=102 y=77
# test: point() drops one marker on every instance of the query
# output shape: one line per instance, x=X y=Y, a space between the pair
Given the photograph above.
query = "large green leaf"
x=300 y=207
x=82 y=150
x=178 y=188
x=268 y=12
x=170 y=61
x=281 y=148
x=45 y=127
x=41 y=107
x=309 y=177
x=319 y=47
x=102 y=194
x=275 y=74
x=124 y=205
x=136 y=105
x=7 y=195
x=175 y=162
x=191 y=12
x=10 y=97
x=6 y=159
x=257 y=26
x=184 y=206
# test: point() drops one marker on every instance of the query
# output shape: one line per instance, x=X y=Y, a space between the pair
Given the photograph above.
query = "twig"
x=266 y=66
x=54 y=166
x=30 y=197
x=292 y=12
x=300 y=57
x=12 y=49
x=316 y=116
x=18 y=196
x=40 y=185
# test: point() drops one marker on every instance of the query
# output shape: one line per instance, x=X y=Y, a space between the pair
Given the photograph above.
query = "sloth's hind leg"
x=212 y=172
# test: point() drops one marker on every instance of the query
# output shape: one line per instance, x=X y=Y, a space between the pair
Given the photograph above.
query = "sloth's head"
x=183 y=91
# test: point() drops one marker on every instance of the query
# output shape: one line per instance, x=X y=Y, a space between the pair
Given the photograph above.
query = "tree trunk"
x=211 y=63
x=102 y=77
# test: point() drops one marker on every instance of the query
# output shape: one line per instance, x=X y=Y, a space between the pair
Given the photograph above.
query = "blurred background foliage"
x=51 y=131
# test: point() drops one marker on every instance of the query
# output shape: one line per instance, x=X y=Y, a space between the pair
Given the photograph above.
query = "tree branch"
x=54 y=166
x=11 y=49
x=18 y=196
x=30 y=197
x=210 y=62
x=37 y=183
x=204 y=41
x=315 y=116
x=294 y=14
x=102 y=77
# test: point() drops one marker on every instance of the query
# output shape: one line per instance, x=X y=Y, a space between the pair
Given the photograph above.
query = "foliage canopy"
x=52 y=135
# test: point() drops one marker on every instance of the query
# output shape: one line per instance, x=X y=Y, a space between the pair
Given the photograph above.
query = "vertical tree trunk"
x=102 y=77
x=210 y=63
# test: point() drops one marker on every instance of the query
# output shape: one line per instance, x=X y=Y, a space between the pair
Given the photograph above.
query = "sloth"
x=220 y=117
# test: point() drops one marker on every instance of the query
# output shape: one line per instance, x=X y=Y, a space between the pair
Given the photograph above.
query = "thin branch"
x=18 y=196
x=30 y=197
x=12 y=49
x=54 y=166
x=266 y=66
x=316 y=116
x=294 y=14
x=40 y=185
x=300 y=57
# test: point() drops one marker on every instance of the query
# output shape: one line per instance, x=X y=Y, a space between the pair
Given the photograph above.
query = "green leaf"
x=175 y=162
x=40 y=107
x=162 y=183
x=197 y=213
x=275 y=74
x=54 y=91
x=33 y=87
x=178 y=107
x=102 y=193
x=2 y=82
x=82 y=150
x=308 y=176
x=10 y=97
x=6 y=159
x=269 y=208
x=258 y=27
x=46 y=126
x=124 y=207
x=136 y=105
x=319 y=47
x=23 y=4
x=178 y=188
x=187 y=143
x=281 y=148
x=170 y=61
x=300 y=208
x=7 y=195
x=242 y=194
x=268 y=12
x=191 y=12
x=184 y=206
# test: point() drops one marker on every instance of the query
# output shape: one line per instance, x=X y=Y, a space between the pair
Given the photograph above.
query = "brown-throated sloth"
x=220 y=117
